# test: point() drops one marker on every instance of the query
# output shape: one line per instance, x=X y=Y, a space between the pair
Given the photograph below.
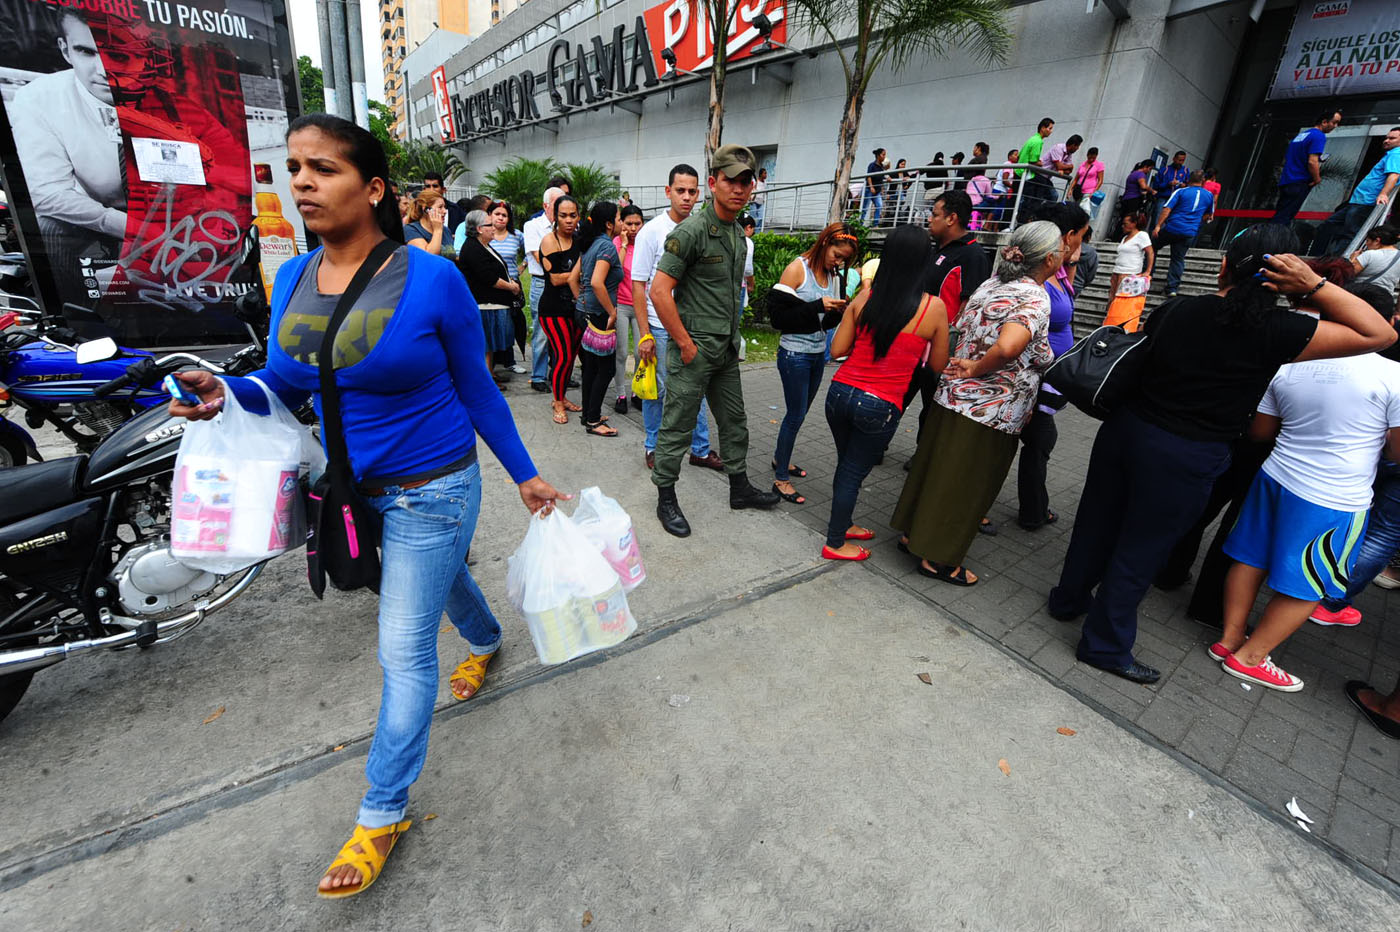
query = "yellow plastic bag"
x=644 y=381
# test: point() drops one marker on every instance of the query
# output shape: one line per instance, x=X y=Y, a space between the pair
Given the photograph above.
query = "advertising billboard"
x=1340 y=47
x=136 y=134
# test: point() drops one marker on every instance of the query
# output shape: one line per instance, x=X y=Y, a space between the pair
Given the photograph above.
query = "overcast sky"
x=307 y=40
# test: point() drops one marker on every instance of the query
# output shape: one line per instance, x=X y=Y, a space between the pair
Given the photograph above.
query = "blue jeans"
x=1179 y=243
x=651 y=410
x=427 y=531
x=879 y=202
x=802 y=379
x=1290 y=200
x=539 y=351
x=862 y=426
x=1334 y=233
x=1382 y=539
x=756 y=212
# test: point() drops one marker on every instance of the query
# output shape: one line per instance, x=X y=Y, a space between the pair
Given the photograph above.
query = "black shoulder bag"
x=1100 y=371
x=342 y=537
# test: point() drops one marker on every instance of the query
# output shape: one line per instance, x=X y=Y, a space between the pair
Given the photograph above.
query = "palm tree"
x=420 y=156
x=591 y=183
x=521 y=182
x=721 y=15
x=870 y=33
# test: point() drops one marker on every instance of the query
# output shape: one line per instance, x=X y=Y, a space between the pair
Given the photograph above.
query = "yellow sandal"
x=368 y=861
x=473 y=670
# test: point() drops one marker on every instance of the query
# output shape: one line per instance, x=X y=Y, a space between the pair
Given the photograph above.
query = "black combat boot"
x=743 y=495
x=668 y=510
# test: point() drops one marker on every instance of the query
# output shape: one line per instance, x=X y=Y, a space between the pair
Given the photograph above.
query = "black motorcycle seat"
x=29 y=490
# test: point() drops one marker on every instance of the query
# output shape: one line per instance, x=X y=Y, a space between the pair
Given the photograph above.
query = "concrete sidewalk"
x=778 y=766
x=761 y=754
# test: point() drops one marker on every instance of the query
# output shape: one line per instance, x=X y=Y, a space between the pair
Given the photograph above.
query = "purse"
x=342 y=537
x=1100 y=371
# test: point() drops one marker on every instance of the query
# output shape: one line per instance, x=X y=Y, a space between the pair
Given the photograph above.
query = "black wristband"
x=1315 y=289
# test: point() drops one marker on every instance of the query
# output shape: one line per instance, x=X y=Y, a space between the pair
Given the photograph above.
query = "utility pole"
x=323 y=23
x=339 y=63
x=356 y=42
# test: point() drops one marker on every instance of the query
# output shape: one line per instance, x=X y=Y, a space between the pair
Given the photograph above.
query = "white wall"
x=1126 y=87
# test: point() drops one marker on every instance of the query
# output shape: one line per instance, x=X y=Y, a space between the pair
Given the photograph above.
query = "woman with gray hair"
x=986 y=396
x=489 y=281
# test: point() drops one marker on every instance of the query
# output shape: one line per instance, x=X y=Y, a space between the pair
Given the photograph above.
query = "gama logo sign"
x=1331 y=8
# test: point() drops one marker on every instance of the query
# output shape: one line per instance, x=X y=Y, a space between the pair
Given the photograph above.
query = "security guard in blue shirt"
x=696 y=294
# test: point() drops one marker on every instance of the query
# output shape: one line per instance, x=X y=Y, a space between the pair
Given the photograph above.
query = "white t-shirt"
x=651 y=242
x=1131 y=254
x=759 y=187
x=1335 y=416
x=1379 y=267
x=534 y=232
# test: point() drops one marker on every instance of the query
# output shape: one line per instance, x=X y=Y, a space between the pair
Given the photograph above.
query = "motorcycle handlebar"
x=146 y=372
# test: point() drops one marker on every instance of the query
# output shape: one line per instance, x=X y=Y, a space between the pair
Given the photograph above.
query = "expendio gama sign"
x=578 y=75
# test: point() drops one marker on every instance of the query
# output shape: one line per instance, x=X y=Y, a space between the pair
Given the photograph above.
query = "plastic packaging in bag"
x=603 y=521
x=234 y=499
x=571 y=598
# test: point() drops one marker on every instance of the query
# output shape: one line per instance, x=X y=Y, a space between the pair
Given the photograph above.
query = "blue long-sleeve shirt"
x=416 y=402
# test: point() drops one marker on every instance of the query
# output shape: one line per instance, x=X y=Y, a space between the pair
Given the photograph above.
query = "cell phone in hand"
x=179 y=391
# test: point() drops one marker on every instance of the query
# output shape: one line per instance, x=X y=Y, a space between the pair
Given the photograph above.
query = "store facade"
x=588 y=81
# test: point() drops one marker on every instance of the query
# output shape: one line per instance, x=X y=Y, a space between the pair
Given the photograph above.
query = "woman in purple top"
x=415 y=392
x=1039 y=438
x=1136 y=192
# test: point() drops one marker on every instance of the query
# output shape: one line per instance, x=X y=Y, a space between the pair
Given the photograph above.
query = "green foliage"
x=591 y=183
x=313 y=86
x=418 y=156
x=521 y=183
x=381 y=117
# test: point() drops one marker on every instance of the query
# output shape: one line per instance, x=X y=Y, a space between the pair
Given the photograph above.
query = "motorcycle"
x=85 y=561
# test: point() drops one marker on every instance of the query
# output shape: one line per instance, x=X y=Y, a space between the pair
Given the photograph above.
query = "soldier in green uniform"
x=696 y=294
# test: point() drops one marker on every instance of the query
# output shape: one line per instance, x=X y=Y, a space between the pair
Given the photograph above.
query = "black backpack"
x=1100 y=371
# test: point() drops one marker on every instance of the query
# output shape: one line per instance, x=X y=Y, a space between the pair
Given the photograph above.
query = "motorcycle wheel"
x=12 y=453
x=12 y=687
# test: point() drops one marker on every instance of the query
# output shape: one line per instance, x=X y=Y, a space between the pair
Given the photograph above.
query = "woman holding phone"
x=415 y=393
x=427 y=222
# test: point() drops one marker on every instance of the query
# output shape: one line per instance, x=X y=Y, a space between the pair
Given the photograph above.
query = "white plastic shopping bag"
x=572 y=600
x=603 y=521
x=234 y=499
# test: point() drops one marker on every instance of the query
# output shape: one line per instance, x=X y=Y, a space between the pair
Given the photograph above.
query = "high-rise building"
x=405 y=24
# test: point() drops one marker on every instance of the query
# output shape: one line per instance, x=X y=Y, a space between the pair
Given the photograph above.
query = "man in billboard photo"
x=69 y=144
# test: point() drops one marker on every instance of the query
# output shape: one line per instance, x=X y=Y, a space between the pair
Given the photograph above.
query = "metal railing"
x=1376 y=217
x=905 y=199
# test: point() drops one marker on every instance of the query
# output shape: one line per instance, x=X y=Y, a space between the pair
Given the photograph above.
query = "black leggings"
x=598 y=372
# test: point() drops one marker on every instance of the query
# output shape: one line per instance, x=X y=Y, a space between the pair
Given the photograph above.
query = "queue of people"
x=934 y=318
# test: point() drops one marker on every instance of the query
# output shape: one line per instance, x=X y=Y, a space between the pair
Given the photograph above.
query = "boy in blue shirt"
x=1302 y=167
x=1179 y=223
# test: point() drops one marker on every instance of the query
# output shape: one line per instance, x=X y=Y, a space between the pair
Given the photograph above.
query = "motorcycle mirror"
x=96 y=351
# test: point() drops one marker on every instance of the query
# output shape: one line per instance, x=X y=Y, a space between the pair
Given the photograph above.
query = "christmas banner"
x=1340 y=47
x=144 y=138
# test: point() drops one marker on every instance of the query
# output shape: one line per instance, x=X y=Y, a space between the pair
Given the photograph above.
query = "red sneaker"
x=1265 y=674
x=1348 y=617
x=1218 y=651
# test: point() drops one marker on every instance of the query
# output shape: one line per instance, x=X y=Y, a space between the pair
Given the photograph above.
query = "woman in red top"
x=891 y=329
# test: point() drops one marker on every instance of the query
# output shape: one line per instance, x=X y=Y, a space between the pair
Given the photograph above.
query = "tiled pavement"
x=1272 y=746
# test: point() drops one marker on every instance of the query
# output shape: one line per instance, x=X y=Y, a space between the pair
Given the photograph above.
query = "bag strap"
x=337 y=455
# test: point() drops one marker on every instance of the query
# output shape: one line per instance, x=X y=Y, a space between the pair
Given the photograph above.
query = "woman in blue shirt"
x=415 y=392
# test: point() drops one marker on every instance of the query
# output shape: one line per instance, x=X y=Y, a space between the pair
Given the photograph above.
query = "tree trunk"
x=846 y=153
x=714 y=130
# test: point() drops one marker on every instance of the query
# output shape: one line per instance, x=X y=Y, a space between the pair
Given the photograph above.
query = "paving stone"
x=1209 y=744
x=1270 y=734
x=1167 y=719
x=1360 y=833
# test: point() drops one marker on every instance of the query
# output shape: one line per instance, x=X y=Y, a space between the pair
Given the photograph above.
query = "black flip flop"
x=596 y=430
x=1388 y=727
x=795 y=497
x=952 y=575
x=793 y=471
x=987 y=527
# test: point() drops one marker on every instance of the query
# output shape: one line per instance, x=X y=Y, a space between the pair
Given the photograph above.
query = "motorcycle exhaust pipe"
x=33 y=658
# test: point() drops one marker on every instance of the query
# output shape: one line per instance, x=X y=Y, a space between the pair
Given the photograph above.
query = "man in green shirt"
x=696 y=294
x=1038 y=189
